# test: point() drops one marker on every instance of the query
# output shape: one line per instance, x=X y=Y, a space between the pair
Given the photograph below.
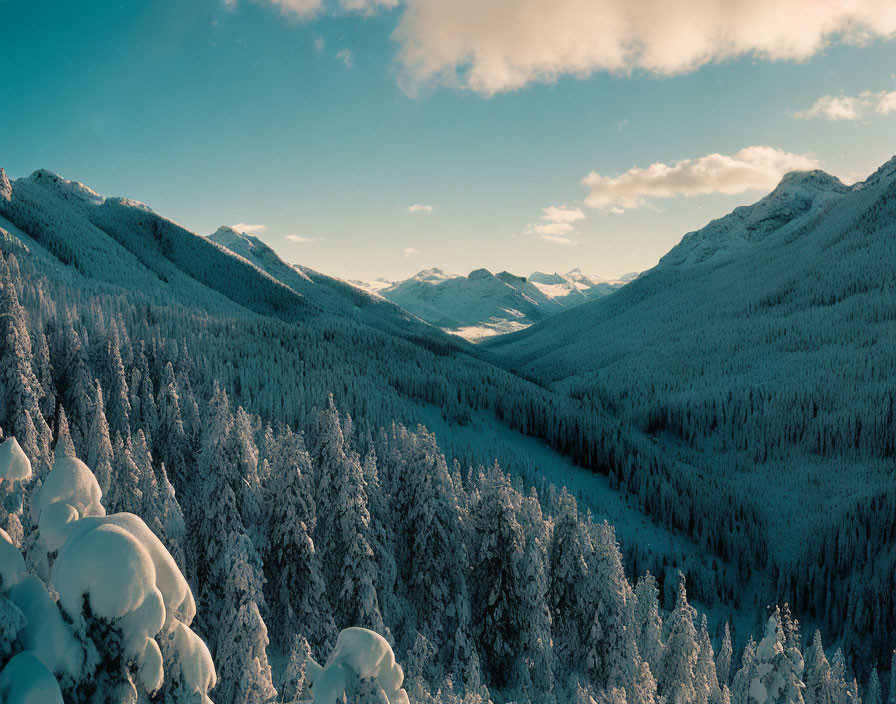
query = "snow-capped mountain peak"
x=483 y=304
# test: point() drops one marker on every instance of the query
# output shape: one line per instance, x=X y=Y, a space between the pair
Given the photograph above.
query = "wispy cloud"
x=410 y=251
x=346 y=57
x=301 y=9
x=619 y=126
x=556 y=224
x=244 y=227
x=850 y=107
x=757 y=168
x=419 y=208
x=503 y=45
x=319 y=44
x=299 y=239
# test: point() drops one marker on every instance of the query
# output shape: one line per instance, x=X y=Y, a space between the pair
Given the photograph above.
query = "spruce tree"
x=677 y=675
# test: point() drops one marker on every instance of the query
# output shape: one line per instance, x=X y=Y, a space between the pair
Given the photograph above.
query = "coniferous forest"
x=214 y=474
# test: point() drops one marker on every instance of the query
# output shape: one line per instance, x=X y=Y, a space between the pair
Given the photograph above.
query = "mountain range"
x=484 y=304
x=730 y=411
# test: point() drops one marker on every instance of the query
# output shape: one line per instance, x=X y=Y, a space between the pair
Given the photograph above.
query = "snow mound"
x=359 y=655
x=25 y=680
x=194 y=666
x=14 y=464
x=47 y=636
x=116 y=566
x=69 y=493
x=12 y=564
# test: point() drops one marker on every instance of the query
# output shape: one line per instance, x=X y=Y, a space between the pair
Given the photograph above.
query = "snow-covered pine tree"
x=20 y=391
x=344 y=527
x=677 y=676
x=98 y=450
x=743 y=678
x=816 y=671
x=298 y=594
x=707 y=680
x=568 y=573
x=723 y=659
x=497 y=585
x=118 y=403
x=430 y=549
x=872 y=690
x=648 y=622
x=64 y=445
x=125 y=494
x=295 y=677
x=613 y=657
x=779 y=667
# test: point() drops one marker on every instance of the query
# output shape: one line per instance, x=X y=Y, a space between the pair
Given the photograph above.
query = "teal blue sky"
x=319 y=128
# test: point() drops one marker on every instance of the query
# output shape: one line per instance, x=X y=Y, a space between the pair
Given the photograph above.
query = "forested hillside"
x=272 y=446
x=761 y=352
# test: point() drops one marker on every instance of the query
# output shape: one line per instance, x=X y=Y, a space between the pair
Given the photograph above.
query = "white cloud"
x=558 y=239
x=319 y=44
x=346 y=57
x=556 y=224
x=302 y=9
x=300 y=240
x=419 y=208
x=850 y=107
x=619 y=126
x=757 y=168
x=409 y=251
x=250 y=229
x=306 y=9
x=491 y=46
x=366 y=7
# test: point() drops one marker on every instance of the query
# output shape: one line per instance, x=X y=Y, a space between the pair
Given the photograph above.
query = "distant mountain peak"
x=68 y=190
x=815 y=179
x=480 y=274
x=886 y=170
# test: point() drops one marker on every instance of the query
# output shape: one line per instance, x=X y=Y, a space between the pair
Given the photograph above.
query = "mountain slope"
x=484 y=304
x=762 y=350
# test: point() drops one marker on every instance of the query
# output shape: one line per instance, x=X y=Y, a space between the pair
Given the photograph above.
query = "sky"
x=376 y=138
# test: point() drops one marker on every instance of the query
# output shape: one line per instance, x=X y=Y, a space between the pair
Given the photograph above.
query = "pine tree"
x=723 y=659
x=570 y=611
x=43 y=370
x=64 y=445
x=297 y=589
x=295 y=678
x=242 y=658
x=126 y=494
x=743 y=678
x=707 y=680
x=344 y=527
x=779 y=667
x=118 y=410
x=169 y=440
x=648 y=623
x=430 y=549
x=20 y=390
x=872 y=692
x=497 y=582
x=99 y=456
x=677 y=673
x=613 y=653
x=817 y=671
